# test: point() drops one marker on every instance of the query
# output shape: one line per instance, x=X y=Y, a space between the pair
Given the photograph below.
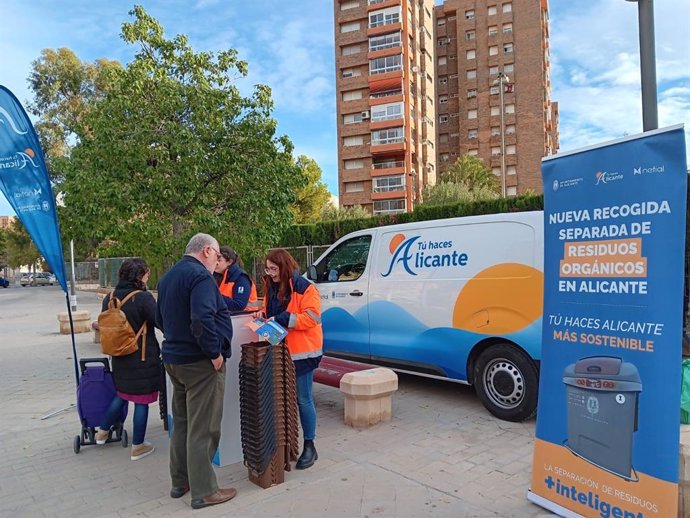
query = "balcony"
x=391 y=146
x=388 y=168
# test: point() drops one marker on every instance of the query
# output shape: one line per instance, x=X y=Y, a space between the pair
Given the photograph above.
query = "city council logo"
x=603 y=177
x=555 y=185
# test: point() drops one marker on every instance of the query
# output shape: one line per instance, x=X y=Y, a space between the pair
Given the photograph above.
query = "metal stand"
x=70 y=407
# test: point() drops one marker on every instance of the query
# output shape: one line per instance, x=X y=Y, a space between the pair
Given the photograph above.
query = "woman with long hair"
x=294 y=303
x=137 y=379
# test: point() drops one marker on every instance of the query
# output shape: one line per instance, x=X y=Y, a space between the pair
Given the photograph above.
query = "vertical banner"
x=25 y=182
x=608 y=418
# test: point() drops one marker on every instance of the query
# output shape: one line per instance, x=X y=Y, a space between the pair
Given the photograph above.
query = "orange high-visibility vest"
x=227 y=287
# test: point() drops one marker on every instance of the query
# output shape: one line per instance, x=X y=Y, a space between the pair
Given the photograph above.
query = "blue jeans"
x=305 y=403
x=139 y=420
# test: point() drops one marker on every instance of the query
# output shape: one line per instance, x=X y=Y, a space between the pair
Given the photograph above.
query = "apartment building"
x=6 y=221
x=386 y=102
x=481 y=46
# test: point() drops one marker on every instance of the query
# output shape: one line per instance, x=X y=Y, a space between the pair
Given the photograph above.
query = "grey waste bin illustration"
x=602 y=397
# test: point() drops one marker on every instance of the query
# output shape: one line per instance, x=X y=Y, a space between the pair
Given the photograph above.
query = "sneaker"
x=139 y=451
x=102 y=436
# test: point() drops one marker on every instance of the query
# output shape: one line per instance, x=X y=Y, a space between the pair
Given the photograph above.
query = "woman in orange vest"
x=236 y=286
x=294 y=302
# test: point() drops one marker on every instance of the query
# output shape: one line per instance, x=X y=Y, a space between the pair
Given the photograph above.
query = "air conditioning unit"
x=365 y=114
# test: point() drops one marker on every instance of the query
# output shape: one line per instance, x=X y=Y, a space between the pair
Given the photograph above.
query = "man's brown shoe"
x=220 y=496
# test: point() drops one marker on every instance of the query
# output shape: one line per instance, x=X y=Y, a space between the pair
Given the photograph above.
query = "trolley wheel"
x=77 y=444
x=125 y=441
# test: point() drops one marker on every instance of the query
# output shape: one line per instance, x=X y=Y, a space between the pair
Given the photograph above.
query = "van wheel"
x=507 y=382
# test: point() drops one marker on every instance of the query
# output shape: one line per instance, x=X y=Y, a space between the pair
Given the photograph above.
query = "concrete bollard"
x=81 y=319
x=368 y=396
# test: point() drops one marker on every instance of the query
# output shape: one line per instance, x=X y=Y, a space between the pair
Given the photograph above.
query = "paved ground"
x=442 y=454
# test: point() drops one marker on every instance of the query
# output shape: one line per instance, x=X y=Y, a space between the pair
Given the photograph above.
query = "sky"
x=290 y=47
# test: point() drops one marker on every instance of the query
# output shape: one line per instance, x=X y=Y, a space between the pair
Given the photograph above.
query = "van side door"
x=342 y=278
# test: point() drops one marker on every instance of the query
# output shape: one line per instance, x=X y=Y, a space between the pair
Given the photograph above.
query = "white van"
x=457 y=299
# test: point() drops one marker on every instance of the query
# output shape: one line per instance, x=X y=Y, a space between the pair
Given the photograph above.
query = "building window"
x=452 y=56
x=493 y=50
x=471 y=114
x=493 y=71
x=385 y=64
x=473 y=152
x=442 y=119
x=389 y=183
x=469 y=15
x=352 y=95
x=443 y=138
x=443 y=81
x=442 y=42
x=354 y=186
x=507 y=28
x=387 y=41
x=511 y=170
x=349 y=50
x=494 y=90
x=508 y=68
x=389 y=206
x=493 y=30
x=386 y=16
x=443 y=99
x=471 y=54
x=491 y=11
x=445 y=157
x=352 y=118
x=440 y=22
x=387 y=136
x=510 y=129
x=471 y=74
x=511 y=191
x=495 y=110
x=510 y=108
x=442 y=60
x=349 y=27
x=496 y=171
x=495 y=151
x=471 y=93
x=507 y=48
x=470 y=35
x=353 y=141
x=349 y=5
x=351 y=72
x=385 y=112
x=495 y=130
x=353 y=164
x=507 y=8
x=510 y=150
x=472 y=134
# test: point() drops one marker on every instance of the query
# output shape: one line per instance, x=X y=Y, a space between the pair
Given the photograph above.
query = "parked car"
x=37 y=279
x=4 y=283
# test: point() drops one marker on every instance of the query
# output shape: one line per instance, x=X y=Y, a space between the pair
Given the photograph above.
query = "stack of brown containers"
x=268 y=412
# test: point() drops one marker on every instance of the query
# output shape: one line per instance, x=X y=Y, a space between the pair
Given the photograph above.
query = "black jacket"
x=132 y=376
x=192 y=314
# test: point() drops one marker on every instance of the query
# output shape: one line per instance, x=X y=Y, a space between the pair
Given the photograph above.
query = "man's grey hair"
x=199 y=242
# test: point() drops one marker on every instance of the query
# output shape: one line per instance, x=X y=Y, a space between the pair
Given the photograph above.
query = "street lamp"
x=501 y=81
x=645 y=14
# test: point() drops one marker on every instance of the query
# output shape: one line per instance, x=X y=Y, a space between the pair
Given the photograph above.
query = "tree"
x=314 y=196
x=468 y=179
x=20 y=248
x=333 y=213
x=65 y=89
x=174 y=149
x=473 y=173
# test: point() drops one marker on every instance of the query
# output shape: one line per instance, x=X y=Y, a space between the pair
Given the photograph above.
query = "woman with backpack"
x=137 y=375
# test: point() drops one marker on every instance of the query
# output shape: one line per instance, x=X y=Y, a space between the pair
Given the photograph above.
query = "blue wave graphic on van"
x=384 y=329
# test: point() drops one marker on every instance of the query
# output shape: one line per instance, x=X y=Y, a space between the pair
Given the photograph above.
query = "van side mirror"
x=311 y=273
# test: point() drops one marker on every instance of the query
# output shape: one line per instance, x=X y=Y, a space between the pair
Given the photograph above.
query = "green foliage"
x=20 y=248
x=466 y=180
x=172 y=149
x=446 y=193
x=332 y=213
x=4 y=255
x=314 y=196
x=328 y=232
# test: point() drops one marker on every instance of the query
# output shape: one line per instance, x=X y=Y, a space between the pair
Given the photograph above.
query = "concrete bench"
x=367 y=390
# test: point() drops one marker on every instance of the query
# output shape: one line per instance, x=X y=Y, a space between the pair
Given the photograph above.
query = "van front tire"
x=506 y=381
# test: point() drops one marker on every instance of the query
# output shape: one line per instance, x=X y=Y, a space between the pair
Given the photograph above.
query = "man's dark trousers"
x=197 y=410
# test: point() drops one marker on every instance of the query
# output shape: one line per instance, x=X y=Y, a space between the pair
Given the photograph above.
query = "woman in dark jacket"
x=135 y=380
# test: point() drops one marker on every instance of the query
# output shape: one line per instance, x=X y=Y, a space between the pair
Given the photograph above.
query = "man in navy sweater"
x=197 y=332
